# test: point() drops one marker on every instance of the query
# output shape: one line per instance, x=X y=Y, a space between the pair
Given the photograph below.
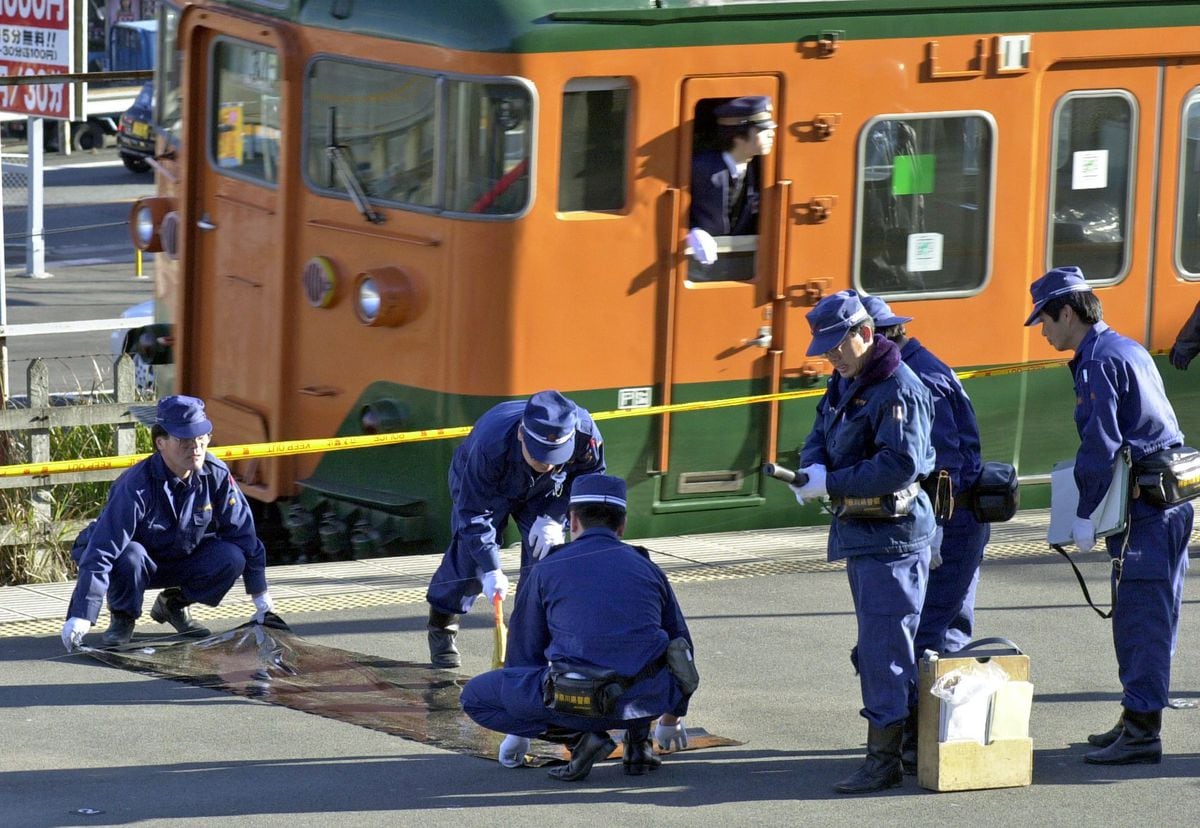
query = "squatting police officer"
x=871 y=441
x=518 y=461
x=1120 y=403
x=600 y=607
x=176 y=520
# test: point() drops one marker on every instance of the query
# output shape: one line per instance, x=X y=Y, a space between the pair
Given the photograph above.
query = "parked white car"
x=122 y=344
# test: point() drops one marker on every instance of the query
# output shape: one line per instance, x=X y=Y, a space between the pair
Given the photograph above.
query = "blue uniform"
x=491 y=482
x=159 y=531
x=717 y=207
x=1120 y=401
x=948 y=615
x=872 y=435
x=595 y=602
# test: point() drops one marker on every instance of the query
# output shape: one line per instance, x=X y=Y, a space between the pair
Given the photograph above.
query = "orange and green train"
x=388 y=215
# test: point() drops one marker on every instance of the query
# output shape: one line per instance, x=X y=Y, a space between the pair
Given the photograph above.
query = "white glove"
x=796 y=491
x=264 y=604
x=935 y=549
x=495 y=583
x=1084 y=533
x=512 y=751
x=671 y=737
x=73 y=632
x=704 y=246
x=545 y=534
x=815 y=487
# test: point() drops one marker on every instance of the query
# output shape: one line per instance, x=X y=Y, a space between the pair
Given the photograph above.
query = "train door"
x=718 y=331
x=235 y=255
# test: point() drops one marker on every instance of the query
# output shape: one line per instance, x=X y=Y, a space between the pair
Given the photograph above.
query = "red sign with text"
x=35 y=39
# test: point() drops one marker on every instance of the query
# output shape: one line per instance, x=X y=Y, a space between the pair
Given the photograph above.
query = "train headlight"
x=386 y=297
x=145 y=220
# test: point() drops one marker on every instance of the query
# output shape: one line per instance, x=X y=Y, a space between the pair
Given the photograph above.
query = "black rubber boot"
x=172 y=608
x=1107 y=737
x=1138 y=744
x=442 y=630
x=120 y=629
x=908 y=744
x=637 y=751
x=881 y=769
x=585 y=752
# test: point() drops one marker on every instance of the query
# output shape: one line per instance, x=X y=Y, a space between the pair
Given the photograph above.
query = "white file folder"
x=1109 y=517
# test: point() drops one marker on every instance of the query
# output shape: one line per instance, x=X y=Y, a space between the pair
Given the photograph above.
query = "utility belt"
x=885 y=507
x=593 y=692
x=1168 y=477
x=994 y=498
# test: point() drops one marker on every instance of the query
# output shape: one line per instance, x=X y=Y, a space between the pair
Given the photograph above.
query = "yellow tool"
x=500 y=643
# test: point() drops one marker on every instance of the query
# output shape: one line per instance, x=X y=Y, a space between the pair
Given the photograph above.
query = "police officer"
x=1120 y=402
x=175 y=520
x=518 y=461
x=948 y=614
x=871 y=438
x=597 y=606
x=1187 y=343
x=725 y=183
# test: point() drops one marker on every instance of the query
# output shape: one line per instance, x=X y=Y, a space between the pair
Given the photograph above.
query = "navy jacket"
x=955 y=433
x=711 y=196
x=873 y=437
x=143 y=507
x=1119 y=401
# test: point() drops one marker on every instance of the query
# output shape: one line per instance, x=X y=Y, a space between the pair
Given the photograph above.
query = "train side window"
x=595 y=145
x=489 y=147
x=243 y=137
x=924 y=220
x=385 y=120
x=1091 y=185
x=1188 y=236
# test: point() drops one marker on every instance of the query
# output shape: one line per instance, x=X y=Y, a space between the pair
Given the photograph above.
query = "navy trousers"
x=948 y=614
x=205 y=576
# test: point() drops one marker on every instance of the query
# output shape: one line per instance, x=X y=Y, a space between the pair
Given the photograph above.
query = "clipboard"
x=1109 y=518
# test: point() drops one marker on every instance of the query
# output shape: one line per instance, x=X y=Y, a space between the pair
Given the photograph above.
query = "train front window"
x=924 y=220
x=488 y=147
x=243 y=137
x=1090 y=182
x=168 y=73
x=1188 y=237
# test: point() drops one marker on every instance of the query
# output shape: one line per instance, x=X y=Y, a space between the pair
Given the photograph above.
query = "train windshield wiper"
x=339 y=157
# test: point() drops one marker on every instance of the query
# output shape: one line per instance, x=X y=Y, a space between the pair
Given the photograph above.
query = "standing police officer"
x=948 y=614
x=176 y=520
x=1119 y=403
x=596 y=607
x=871 y=441
x=1187 y=342
x=518 y=461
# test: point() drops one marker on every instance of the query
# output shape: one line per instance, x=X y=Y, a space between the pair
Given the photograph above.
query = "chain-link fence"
x=16 y=179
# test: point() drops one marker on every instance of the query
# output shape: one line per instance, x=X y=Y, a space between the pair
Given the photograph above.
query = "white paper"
x=1089 y=170
x=924 y=252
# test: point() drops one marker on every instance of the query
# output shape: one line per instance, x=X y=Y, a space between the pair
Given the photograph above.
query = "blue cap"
x=881 y=312
x=182 y=417
x=598 y=488
x=549 y=422
x=753 y=110
x=832 y=317
x=1058 y=282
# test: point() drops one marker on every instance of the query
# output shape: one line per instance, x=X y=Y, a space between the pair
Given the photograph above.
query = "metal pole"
x=35 y=239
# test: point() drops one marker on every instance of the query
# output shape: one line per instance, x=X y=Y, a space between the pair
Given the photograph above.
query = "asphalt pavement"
x=87 y=744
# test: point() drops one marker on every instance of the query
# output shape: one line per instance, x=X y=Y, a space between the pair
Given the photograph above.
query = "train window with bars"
x=595 y=145
x=1188 y=235
x=243 y=136
x=925 y=185
x=421 y=141
x=1090 y=188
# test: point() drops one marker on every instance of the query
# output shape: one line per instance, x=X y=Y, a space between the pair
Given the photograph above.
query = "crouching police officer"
x=518 y=461
x=868 y=450
x=176 y=520
x=1119 y=403
x=596 y=642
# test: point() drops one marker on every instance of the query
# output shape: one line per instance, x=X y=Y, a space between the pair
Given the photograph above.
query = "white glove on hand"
x=796 y=491
x=512 y=751
x=495 y=583
x=73 y=632
x=671 y=737
x=935 y=549
x=1084 y=533
x=704 y=246
x=264 y=604
x=545 y=534
x=815 y=487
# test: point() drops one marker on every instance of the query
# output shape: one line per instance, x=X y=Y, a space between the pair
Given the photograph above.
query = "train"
x=379 y=216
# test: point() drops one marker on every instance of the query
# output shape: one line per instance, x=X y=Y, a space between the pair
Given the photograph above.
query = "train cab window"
x=924 y=221
x=595 y=145
x=167 y=79
x=1188 y=244
x=243 y=136
x=489 y=146
x=1090 y=184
